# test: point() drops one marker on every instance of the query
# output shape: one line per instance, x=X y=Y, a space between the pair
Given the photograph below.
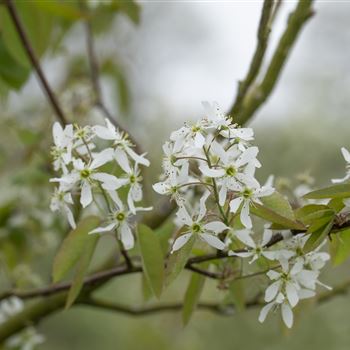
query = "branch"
x=34 y=61
x=148 y=310
x=255 y=65
x=259 y=93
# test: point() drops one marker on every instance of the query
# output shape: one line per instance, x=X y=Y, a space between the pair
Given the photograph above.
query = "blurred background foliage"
x=158 y=61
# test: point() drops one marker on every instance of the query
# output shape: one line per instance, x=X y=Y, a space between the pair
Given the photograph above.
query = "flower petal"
x=213 y=241
x=181 y=241
x=86 y=194
x=287 y=315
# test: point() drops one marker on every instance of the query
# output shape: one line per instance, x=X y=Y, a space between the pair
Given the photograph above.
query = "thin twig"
x=35 y=62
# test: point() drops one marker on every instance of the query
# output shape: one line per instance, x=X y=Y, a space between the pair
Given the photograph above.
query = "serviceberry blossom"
x=213 y=156
x=119 y=221
x=346 y=155
x=61 y=201
x=85 y=173
x=296 y=280
x=197 y=226
x=255 y=250
x=244 y=198
x=26 y=339
x=61 y=152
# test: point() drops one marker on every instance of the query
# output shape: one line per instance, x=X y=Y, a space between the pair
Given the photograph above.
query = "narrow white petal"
x=104 y=133
x=213 y=241
x=57 y=133
x=126 y=236
x=102 y=158
x=122 y=160
x=199 y=140
x=101 y=229
x=287 y=315
x=184 y=217
x=86 y=194
x=247 y=156
x=210 y=172
x=70 y=217
x=272 y=290
x=264 y=311
x=292 y=294
x=245 y=218
x=235 y=204
x=346 y=154
x=215 y=226
x=181 y=241
x=137 y=158
x=244 y=236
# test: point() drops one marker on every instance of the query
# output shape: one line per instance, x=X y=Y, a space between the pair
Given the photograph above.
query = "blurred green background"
x=158 y=62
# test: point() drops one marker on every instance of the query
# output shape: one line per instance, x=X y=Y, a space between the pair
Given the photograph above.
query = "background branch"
x=256 y=95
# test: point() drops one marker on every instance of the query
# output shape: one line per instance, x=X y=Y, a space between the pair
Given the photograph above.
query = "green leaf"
x=81 y=270
x=38 y=27
x=337 y=204
x=304 y=211
x=270 y=215
x=192 y=296
x=317 y=236
x=336 y=191
x=279 y=205
x=152 y=258
x=60 y=9
x=177 y=261
x=12 y=73
x=73 y=247
x=164 y=233
x=131 y=9
x=318 y=215
x=340 y=246
x=237 y=293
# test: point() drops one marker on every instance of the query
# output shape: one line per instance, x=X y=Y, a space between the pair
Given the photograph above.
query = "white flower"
x=60 y=201
x=63 y=143
x=215 y=117
x=232 y=168
x=28 y=339
x=170 y=163
x=188 y=135
x=119 y=221
x=286 y=310
x=195 y=226
x=346 y=155
x=86 y=175
x=121 y=142
x=132 y=177
x=175 y=185
x=10 y=307
x=254 y=250
x=246 y=197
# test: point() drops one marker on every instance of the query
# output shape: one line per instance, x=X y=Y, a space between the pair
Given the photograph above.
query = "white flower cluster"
x=295 y=276
x=75 y=156
x=214 y=159
x=215 y=155
x=27 y=339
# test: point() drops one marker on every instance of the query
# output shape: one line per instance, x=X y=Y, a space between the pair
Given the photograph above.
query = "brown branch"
x=148 y=310
x=259 y=93
x=34 y=61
